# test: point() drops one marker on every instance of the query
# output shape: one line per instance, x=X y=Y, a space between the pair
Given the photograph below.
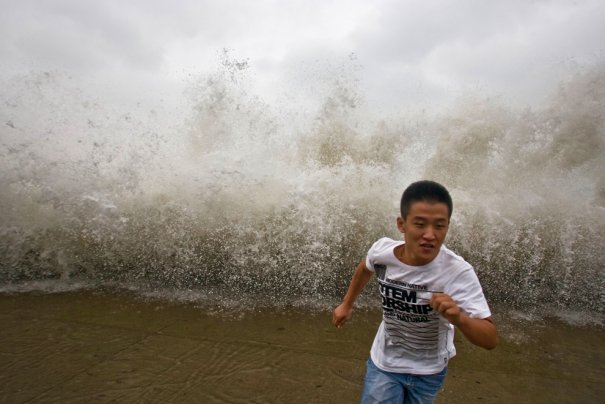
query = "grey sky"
x=406 y=52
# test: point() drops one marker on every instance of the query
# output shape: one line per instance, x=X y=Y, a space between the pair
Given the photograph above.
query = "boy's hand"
x=479 y=331
x=444 y=305
x=341 y=315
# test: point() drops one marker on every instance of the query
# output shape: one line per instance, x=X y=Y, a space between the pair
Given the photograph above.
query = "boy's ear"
x=401 y=224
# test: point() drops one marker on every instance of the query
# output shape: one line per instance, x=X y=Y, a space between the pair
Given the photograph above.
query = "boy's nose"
x=429 y=234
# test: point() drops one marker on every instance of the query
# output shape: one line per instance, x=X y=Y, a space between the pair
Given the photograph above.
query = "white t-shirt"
x=413 y=338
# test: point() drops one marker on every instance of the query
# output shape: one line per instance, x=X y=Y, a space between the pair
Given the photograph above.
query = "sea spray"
x=528 y=186
x=246 y=201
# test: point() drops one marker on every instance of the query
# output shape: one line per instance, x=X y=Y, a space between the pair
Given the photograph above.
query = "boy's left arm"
x=479 y=331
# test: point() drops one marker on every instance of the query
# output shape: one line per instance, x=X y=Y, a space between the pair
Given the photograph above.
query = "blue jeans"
x=387 y=387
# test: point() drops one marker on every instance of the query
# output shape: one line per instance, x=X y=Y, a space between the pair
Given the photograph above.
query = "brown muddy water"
x=105 y=347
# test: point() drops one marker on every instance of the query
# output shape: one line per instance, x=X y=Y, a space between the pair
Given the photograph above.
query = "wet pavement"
x=96 y=347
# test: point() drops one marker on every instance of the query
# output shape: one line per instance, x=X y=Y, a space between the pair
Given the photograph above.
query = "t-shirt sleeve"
x=468 y=294
x=373 y=252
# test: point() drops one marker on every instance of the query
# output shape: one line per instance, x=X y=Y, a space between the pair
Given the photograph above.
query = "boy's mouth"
x=427 y=247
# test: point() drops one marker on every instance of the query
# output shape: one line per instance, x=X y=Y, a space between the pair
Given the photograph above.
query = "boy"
x=426 y=290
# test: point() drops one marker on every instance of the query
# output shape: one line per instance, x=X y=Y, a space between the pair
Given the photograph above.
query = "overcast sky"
x=403 y=52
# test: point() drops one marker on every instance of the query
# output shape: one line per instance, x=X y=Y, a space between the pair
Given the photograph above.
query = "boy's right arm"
x=343 y=312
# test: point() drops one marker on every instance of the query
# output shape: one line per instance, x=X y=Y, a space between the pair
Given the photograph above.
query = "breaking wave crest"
x=237 y=199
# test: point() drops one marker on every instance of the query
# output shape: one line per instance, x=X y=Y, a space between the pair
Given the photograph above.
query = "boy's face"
x=424 y=230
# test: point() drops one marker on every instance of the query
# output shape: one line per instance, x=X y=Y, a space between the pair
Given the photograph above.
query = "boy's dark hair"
x=428 y=191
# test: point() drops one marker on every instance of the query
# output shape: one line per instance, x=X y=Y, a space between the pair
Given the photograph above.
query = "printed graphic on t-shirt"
x=409 y=320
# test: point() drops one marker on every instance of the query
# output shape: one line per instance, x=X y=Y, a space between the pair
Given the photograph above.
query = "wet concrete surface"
x=92 y=347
